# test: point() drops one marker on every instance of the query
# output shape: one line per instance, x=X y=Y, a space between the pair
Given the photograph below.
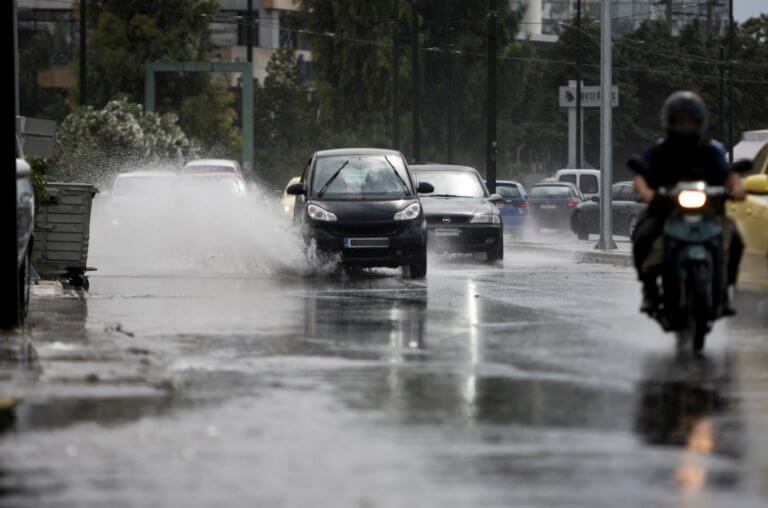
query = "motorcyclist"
x=684 y=154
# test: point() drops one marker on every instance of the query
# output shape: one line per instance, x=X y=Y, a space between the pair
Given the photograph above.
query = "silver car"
x=25 y=224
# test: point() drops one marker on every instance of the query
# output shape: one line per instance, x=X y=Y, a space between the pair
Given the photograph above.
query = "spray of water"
x=157 y=222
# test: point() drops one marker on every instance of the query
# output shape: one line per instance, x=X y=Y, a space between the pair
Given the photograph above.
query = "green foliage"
x=40 y=167
x=92 y=143
x=126 y=35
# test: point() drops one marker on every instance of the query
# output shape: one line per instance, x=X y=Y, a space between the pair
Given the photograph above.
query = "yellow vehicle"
x=287 y=201
x=751 y=215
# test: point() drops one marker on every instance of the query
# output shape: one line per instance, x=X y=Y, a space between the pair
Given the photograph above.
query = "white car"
x=25 y=224
x=212 y=166
x=142 y=185
x=586 y=180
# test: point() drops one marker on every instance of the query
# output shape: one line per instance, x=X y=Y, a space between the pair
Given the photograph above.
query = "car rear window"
x=551 y=191
x=588 y=184
x=508 y=191
x=567 y=179
x=208 y=169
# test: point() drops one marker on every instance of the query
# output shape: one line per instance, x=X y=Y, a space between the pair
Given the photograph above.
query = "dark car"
x=461 y=215
x=363 y=204
x=625 y=209
x=551 y=204
x=25 y=225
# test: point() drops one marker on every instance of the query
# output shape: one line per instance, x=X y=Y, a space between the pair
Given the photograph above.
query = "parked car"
x=287 y=201
x=212 y=166
x=25 y=225
x=461 y=215
x=552 y=203
x=625 y=207
x=515 y=210
x=586 y=180
x=363 y=204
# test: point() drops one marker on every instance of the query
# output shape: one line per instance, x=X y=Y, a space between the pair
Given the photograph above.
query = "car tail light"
x=572 y=203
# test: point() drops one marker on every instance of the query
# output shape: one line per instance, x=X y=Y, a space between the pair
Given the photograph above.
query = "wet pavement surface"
x=533 y=385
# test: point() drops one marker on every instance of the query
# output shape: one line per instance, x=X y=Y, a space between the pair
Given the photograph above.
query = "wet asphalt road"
x=536 y=385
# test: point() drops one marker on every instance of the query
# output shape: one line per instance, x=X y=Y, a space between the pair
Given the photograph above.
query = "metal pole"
x=249 y=31
x=83 y=74
x=490 y=170
x=731 y=34
x=449 y=136
x=9 y=289
x=246 y=102
x=395 y=74
x=579 y=133
x=721 y=93
x=416 y=156
x=606 y=129
x=16 y=56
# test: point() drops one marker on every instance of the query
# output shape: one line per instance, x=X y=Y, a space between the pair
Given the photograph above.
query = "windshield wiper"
x=405 y=185
x=444 y=196
x=331 y=179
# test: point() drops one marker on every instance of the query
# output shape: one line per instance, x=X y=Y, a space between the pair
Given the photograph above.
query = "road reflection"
x=684 y=401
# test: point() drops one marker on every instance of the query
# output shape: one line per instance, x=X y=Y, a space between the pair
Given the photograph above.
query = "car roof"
x=356 y=151
x=577 y=170
x=509 y=182
x=212 y=162
x=145 y=174
x=553 y=184
x=443 y=167
x=204 y=174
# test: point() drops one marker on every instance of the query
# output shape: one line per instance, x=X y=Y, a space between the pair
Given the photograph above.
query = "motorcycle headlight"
x=409 y=212
x=317 y=213
x=692 y=198
x=485 y=218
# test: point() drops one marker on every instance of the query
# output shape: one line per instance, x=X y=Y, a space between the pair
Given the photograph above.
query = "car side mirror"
x=425 y=188
x=756 y=184
x=595 y=199
x=497 y=200
x=296 y=189
x=742 y=166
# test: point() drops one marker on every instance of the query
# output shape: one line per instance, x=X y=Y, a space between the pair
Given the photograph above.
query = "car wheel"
x=418 y=270
x=582 y=230
x=495 y=255
x=632 y=226
x=24 y=287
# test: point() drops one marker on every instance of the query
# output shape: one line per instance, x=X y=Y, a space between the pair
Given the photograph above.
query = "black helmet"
x=684 y=104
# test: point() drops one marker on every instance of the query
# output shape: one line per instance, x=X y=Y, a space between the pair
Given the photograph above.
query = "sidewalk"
x=582 y=251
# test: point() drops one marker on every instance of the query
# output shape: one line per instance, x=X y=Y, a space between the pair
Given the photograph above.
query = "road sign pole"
x=606 y=130
x=572 y=133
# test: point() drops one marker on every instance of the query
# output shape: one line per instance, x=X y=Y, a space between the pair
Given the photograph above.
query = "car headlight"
x=485 y=218
x=411 y=211
x=692 y=198
x=317 y=213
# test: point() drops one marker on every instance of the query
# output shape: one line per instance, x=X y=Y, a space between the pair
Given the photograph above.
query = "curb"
x=582 y=256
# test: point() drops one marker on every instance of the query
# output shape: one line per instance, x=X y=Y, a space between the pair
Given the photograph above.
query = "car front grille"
x=366 y=229
x=452 y=220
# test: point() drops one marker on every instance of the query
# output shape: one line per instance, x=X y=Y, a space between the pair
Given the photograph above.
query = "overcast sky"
x=745 y=9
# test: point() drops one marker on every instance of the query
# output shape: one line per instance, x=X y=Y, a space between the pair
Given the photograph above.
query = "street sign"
x=590 y=96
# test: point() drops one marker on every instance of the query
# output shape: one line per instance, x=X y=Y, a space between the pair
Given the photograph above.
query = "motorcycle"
x=693 y=292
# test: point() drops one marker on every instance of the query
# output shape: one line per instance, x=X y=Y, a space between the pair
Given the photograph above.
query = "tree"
x=91 y=144
x=125 y=35
x=35 y=56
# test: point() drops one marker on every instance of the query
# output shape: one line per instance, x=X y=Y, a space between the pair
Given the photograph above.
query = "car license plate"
x=548 y=207
x=366 y=243
x=447 y=232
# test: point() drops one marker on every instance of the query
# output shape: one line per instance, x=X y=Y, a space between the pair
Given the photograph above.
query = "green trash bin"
x=62 y=230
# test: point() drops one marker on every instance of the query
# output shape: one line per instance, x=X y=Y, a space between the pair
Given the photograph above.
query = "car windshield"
x=550 y=191
x=346 y=176
x=136 y=186
x=212 y=183
x=506 y=190
x=452 y=183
